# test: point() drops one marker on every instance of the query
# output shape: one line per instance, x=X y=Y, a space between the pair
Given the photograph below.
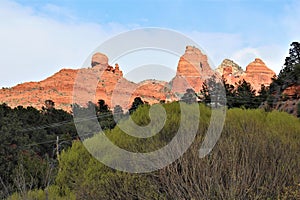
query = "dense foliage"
x=242 y=95
x=28 y=145
x=290 y=73
x=31 y=140
x=135 y=104
x=257 y=157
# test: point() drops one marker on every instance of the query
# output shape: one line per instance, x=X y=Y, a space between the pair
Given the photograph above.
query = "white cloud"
x=34 y=46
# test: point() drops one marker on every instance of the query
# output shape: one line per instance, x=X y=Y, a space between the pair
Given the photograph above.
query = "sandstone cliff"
x=256 y=73
x=60 y=87
x=193 y=68
x=231 y=71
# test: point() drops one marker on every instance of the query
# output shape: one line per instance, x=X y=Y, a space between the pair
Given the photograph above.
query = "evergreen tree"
x=294 y=56
x=230 y=93
x=189 y=97
x=135 y=104
x=205 y=93
x=104 y=115
x=213 y=92
x=290 y=73
x=102 y=106
x=245 y=95
x=27 y=142
x=118 y=113
x=263 y=95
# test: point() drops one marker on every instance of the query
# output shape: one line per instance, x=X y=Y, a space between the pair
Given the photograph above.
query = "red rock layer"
x=257 y=73
x=99 y=82
x=192 y=70
x=231 y=71
x=292 y=91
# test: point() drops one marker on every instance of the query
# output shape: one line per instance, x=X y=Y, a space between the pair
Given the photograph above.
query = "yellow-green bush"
x=52 y=192
x=256 y=157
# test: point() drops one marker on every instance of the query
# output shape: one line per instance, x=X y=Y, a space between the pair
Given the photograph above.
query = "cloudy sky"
x=38 y=38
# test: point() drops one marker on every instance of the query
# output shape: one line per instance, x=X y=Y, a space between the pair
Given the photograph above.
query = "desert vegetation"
x=256 y=157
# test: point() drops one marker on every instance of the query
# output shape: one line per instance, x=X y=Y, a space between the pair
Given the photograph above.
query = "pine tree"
x=245 y=95
x=290 y=73
x=189 y=96
x=135 y=104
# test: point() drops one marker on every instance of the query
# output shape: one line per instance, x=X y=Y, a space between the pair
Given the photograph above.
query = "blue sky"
x=37 y=38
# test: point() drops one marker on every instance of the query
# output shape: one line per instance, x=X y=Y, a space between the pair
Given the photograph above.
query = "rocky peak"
x=257 y=73
x=192 y=69
x=229 y=67
x=231 y=71
x=192 y=62
x=99 y=60
x=115 y=70
x=258 y=66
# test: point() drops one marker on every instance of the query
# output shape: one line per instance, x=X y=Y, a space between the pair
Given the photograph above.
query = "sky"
x=38 y=38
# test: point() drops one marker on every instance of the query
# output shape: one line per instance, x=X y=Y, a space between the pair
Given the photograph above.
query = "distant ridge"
x=193 y=68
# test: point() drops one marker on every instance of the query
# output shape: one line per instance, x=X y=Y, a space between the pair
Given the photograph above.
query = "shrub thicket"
x=257 y=157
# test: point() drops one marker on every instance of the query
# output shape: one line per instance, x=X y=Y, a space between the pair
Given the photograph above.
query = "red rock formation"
x=292 y=91
x=60 y=88
x=193 y=68
x=99 y=60
x=257 y=73
x=231 y=71
x=290 y=101
x=229 y=67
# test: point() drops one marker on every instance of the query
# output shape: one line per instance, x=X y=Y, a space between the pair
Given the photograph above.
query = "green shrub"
x=51 y=192
x=87 y=178
x=257 y=157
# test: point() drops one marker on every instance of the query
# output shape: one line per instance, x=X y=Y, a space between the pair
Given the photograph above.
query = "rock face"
x=60 y=87
x=193 y=68
x=110 y=85
x=291 y=100
x=292 y=91
x=231 y=71
x=257 y=73
x=99 y=60
x=290 y=106
x=229 y=67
